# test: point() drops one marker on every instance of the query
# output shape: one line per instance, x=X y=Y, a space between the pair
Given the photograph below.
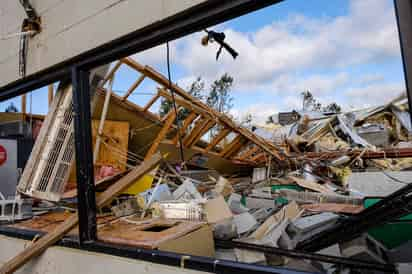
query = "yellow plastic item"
x=144 y=183
x=141 y=185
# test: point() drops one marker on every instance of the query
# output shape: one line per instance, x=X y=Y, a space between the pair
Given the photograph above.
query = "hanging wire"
x=182 y=157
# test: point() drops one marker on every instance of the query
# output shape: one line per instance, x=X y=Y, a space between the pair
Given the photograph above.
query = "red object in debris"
x=3 y=155
x=106 y=171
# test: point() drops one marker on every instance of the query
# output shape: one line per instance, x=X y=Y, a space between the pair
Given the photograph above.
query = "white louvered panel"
x=46 y=177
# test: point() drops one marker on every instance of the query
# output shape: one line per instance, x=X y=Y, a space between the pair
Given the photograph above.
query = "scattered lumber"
x=49 y=239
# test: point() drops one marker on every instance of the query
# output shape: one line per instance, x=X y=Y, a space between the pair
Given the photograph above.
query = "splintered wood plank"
x=222 y=134
x=186 y=123
x=106 y=197
x=133 y=87
x=162 y=134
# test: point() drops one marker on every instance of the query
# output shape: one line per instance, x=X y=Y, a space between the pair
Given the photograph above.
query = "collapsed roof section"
x=244 y=146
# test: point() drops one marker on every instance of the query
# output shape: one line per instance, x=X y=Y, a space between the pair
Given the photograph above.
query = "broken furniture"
x=16 y=209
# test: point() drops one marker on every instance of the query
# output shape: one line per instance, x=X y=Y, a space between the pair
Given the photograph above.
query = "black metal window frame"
x=194 y=19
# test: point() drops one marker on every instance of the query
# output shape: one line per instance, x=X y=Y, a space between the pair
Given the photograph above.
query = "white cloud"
x=317 y=84
x=371 y=78
x=259 y=112
x=372 y=95
x=300 y=53
x=367 y=34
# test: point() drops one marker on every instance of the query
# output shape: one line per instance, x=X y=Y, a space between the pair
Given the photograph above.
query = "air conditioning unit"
x=48 y=167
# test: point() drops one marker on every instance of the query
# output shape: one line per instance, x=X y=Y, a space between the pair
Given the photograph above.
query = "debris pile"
x=237 y=194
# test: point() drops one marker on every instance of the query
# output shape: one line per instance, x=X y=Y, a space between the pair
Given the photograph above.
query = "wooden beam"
x=229 y=147
x=236 y=148
x=164 y=118
x=222 y=118
x=50 y=94
x=184 y=103
x=23 y=104
x=207 y=126
x=162 y=134
x=186 y=123
x=249 y=153
x=196 y=130
x=106 y=197
x=133 y=87
x=222 y=134
x=151 y=102
x=257 y=156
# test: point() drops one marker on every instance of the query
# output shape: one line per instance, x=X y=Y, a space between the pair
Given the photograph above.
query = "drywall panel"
x=71 y=27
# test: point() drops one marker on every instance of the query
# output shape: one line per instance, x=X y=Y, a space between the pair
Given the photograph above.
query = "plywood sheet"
x=115 y=138
x=143 y=127
x=116 y=135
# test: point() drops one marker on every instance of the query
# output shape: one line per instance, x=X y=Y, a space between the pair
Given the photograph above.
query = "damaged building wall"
x=65 y=21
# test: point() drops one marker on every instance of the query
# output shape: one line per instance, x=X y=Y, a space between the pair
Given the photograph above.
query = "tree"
x=310 y=103
x=195 y=89
x=332 y=107
x=11 y=108
x=219 y=96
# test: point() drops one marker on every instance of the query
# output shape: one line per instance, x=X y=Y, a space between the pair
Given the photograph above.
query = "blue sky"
x=343 y=50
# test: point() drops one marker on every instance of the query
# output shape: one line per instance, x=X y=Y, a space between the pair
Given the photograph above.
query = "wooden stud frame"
x=201 y=119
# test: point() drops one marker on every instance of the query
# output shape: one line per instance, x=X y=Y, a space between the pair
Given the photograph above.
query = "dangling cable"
x=182 y=157
x=23 y=41
x=30 y=27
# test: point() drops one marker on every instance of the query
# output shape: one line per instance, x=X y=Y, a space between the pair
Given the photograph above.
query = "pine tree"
x=11 y=108
x=219 y=96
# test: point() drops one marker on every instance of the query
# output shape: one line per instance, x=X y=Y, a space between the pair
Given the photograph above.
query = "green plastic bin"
x=391 y=234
